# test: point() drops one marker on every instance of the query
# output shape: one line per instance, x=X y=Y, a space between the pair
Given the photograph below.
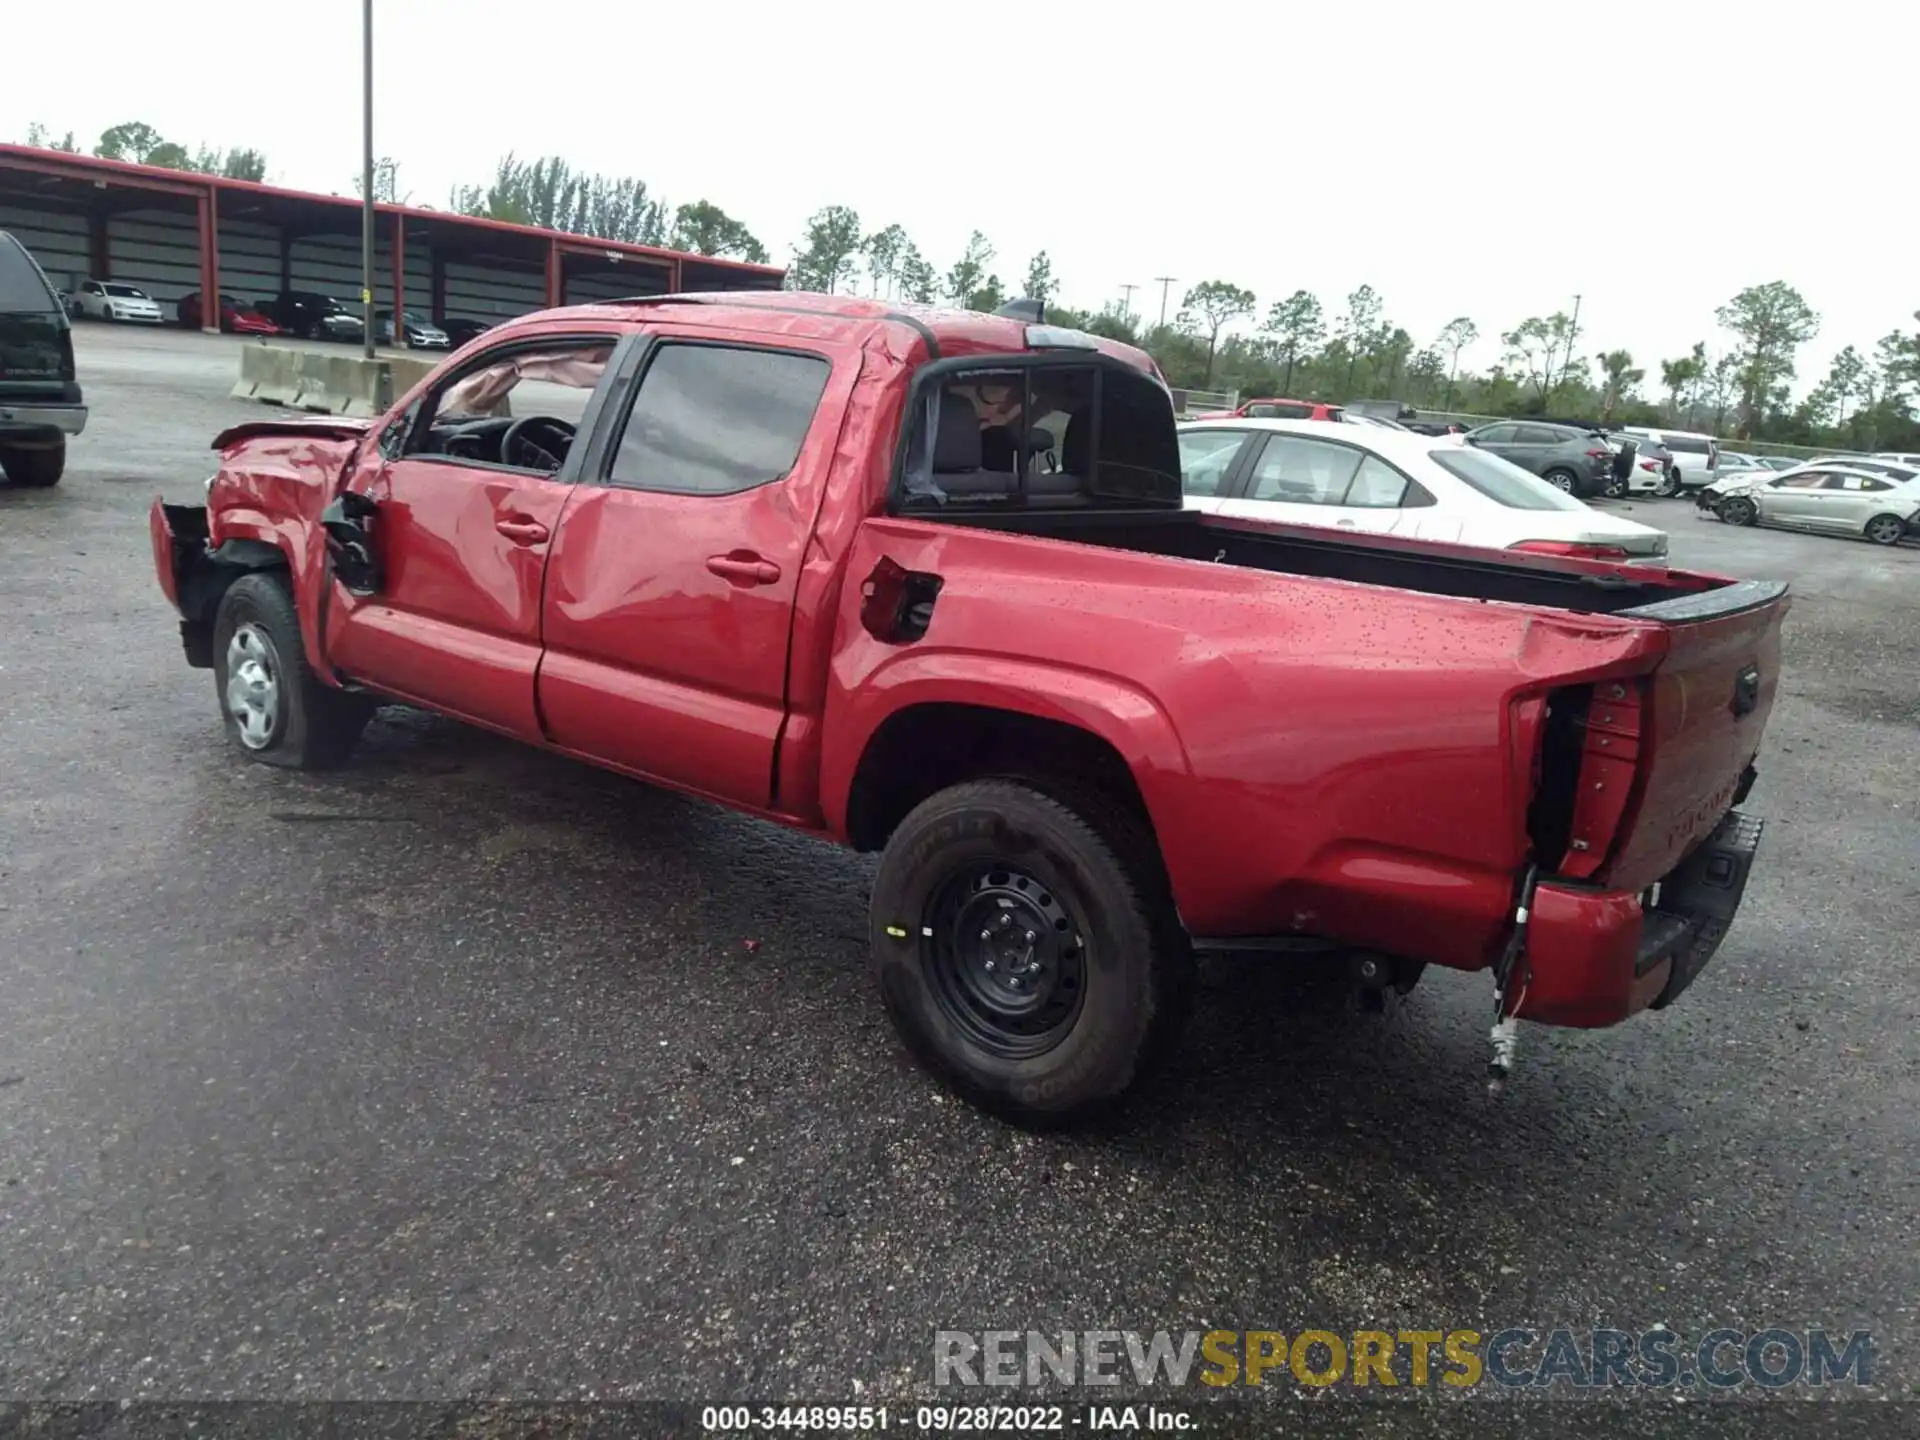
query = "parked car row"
x=307 y=314
x=1362 y=474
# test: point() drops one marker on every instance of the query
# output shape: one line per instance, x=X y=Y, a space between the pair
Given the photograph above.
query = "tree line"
x=1220 y=337
x=144 y=145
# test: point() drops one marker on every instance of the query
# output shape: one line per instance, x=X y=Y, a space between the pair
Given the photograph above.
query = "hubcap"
x=253 y=685
x=1007 y=963
x=1562 y=482
x=1884 y=530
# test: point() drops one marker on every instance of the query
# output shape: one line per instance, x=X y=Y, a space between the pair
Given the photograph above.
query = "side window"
x=1539 y=435
x=1206 y=458
x=718 y=419
x=1497 y=434
x=1872 y=486
x=1377 y=485
x=1303 y=472
x=1805 y=480
x=518 y=406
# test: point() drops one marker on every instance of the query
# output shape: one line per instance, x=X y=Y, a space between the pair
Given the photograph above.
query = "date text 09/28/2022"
x=946 y=1419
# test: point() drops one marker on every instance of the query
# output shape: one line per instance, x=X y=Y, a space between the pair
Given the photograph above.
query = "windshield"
x=125 y=292
x=1501 y=481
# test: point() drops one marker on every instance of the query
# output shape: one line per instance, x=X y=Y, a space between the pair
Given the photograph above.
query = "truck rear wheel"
x=38 y=465
x=276 y=710
x=1021 y=957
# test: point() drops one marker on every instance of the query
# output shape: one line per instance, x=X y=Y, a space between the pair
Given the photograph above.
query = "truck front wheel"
x=277 y=711
x=1021 y=957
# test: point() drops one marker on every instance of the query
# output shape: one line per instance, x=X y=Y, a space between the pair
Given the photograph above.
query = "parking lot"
x=467 y=1071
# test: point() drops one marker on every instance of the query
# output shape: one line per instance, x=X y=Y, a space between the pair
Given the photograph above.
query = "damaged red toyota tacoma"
x=922 y=582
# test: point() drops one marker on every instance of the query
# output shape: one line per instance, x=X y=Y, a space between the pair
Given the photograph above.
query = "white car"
x=110 y=300
x=1874 y=499
x=1696 y=457
x=1390 y=482
x=1899 y=457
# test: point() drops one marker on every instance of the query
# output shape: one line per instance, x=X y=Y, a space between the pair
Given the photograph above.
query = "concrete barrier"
x=326 y=381
x=269 y=374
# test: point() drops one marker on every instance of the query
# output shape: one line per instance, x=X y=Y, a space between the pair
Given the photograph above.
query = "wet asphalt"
x=466 y=1072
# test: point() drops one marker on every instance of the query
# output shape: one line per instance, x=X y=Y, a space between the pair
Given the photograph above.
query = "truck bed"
x=1585 y=587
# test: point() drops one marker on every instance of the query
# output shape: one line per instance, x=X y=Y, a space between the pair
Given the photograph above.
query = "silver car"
x=1828 y=499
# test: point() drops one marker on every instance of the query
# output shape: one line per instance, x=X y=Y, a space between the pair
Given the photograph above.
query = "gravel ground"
x=470 y=1073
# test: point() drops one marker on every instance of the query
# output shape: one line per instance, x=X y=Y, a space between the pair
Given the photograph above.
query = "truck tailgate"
x=1685 y=737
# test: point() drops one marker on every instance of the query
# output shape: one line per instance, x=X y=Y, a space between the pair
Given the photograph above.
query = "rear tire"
x=1616 y=488
x=40 y=466
x=1669 y=485
x=1563 y=480
x=275 y=709
x=1738 y=510
x=1886 y=529
x=1021 y=957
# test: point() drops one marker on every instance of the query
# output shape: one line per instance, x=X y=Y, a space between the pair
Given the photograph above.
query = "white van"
x=1696 y=455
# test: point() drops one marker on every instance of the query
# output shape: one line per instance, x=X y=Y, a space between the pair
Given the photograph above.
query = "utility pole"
x=1573 y=333
x=1126 y=299
x=1164 y=281
x=366 y=179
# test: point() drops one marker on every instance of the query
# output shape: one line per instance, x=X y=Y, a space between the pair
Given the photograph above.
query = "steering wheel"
x=518 y=438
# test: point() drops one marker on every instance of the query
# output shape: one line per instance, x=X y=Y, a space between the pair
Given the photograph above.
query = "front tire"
x=1886 y=529
x=1021 y=957
x=275 y=709
x=1738 y=510
x=39 y=466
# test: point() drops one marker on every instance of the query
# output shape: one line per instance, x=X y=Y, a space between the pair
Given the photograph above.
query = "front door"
x=1793 y=500
x=468 y=492
x=670 y=594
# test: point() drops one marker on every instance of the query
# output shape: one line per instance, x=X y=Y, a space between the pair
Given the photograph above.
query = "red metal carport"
x=172 y=232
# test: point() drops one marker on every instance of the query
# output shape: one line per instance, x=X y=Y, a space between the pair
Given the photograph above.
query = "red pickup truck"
x=923 y=583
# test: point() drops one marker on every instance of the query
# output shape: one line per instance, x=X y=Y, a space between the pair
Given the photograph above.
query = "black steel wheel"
x=1027 y=949
x=1007 y=961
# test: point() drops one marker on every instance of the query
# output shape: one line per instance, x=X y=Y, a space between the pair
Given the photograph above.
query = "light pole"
x=366 y=177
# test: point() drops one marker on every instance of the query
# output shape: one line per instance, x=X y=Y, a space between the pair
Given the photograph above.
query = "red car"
x=924 y=584
x=236 y=316
x=1269 y=408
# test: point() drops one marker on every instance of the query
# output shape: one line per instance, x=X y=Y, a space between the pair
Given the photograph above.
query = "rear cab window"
x=1039 y=431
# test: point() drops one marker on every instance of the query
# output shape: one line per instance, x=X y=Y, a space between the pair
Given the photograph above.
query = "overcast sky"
x=1478 y=158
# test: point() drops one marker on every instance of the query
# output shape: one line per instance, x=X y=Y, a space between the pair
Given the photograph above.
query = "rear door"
x=1497 y=440
x=1849 y=501
x=1304 y=480
x=670 y=596
x=1793 y=500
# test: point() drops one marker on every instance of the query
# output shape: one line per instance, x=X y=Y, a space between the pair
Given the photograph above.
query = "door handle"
x=521 y=530
x=743 y=567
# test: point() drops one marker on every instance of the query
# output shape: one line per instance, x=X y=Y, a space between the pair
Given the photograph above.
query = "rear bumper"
x=1594 y=957
x=46 y=420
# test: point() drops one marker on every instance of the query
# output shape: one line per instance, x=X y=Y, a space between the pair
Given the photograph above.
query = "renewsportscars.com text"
x=1515 y=1357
